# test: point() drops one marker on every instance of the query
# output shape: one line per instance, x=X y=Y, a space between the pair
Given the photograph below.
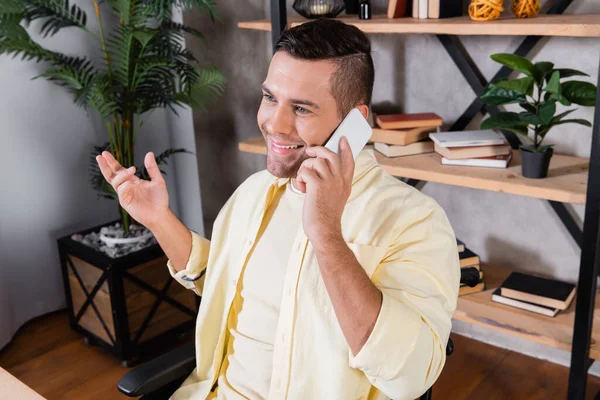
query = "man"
x=325 y=278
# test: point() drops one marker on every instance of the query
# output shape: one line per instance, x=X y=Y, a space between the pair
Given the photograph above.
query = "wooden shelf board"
x=566 y=181
x=479 y=309
x=542 y=25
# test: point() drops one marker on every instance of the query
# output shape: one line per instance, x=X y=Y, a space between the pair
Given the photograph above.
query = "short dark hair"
x=346 y=46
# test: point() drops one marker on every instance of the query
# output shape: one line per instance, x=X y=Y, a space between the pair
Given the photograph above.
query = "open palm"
x=144 y=200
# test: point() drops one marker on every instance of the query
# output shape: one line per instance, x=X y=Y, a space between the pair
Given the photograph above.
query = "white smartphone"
x=356 y=128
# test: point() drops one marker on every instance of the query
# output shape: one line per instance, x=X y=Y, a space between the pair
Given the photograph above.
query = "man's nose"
x=280 y=122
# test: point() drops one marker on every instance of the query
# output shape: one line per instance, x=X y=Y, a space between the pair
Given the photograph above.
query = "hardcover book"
x=486 y=137
x=538 y=290
x=524 y=305
x=401 y=137
x=501 y=161
x=445 y=8
x=404 y=121
x=408 y=150
x=457 y=153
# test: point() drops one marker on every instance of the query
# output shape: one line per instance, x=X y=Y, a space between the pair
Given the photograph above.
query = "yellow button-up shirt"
x=406 y=245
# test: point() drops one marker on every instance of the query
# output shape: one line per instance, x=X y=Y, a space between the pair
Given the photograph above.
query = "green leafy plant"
x=145 y=67
x=537 y=93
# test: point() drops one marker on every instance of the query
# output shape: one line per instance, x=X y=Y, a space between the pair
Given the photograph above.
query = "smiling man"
x=325 y=278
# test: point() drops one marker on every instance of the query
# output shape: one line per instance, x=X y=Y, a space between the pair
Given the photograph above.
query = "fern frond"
x=209 y=84
x=101 y=98
x=207 y=6
x=58 y=14
x=123 y=51
x=97 y=180
x=74 y=73
x=11 y=11
x=15 y=41
x=174 y=26
x=131 y=13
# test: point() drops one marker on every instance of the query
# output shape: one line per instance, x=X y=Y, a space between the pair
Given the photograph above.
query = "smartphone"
x=356 y=129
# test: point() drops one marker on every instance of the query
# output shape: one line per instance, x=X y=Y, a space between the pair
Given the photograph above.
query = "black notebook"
x=445 y=8
x=538 y=290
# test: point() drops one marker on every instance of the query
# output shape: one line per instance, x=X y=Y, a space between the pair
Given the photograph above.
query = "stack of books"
x=535 y=293
x=469 y=261
x=435 y=9
x=480 y=148
x=399 y=135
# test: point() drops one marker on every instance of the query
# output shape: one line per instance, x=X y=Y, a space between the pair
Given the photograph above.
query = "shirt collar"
x=365 y=161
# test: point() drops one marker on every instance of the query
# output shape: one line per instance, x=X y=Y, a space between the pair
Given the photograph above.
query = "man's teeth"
x=287 y=147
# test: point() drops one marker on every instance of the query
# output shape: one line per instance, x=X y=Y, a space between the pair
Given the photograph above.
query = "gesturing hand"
x=144 y=200
x=327 y=181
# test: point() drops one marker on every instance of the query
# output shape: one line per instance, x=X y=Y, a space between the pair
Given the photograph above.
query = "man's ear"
x=364 y=110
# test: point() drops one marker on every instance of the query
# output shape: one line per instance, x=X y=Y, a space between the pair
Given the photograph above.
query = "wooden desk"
x=12 y=388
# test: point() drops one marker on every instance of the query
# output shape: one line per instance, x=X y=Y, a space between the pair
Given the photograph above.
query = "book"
x=524 y=305
x=423 y=8
x=460 y=245
x=501 y=161
x=415 y=8
x=444 y=8
x=387 y=150
x=456 y=153
x=464 y=290
x=538 y=290
x=401 y=137
x=468 y=138
x=396 y=9
x=468 y=258
x=403 y=121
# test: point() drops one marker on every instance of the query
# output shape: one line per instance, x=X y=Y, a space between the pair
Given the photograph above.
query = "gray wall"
x=414 y=74
x=46 y=142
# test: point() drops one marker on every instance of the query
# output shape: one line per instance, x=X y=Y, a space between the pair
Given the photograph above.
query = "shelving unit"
x=543 y=25
x=571 y=179
x=566 y=182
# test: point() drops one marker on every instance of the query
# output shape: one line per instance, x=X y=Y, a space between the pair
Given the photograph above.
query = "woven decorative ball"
x=485 y=10
x=525 y=8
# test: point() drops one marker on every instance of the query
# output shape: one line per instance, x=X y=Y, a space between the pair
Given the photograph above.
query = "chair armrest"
x=159 y=372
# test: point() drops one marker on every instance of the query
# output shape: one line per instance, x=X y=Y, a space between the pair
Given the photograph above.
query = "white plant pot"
x=111 y=242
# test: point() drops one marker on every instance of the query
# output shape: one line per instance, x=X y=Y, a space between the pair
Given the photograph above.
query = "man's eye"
x=268 y=97
x=301 y=110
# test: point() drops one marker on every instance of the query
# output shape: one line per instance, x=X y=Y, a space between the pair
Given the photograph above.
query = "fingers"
x=332 y=159
x=307 y=177
x=319 y=165
x=122 y=176
x=152 y=167
x=113 y=172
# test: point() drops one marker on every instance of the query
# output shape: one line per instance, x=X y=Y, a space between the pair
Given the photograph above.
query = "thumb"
x=152 y=167
x=347 y=159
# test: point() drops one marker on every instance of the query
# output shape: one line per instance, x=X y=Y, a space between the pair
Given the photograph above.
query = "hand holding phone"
x=356 y=129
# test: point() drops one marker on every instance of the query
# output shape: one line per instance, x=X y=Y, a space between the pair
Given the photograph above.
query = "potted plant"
x=119 y=296
x=537 y=94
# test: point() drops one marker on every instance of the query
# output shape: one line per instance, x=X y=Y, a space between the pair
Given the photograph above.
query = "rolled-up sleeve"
x=193 y=276
x=419 y=278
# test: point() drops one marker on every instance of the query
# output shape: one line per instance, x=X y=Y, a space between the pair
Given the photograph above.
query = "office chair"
x=160 y=377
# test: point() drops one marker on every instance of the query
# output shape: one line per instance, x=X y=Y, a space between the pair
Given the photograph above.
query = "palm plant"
x=145 y=66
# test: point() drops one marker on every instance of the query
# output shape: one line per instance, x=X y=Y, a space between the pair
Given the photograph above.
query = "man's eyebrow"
x=295 y=101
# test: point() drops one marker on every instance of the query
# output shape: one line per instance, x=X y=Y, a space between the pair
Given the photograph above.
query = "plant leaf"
x=530 y=118
x=515 y=62
x=506 y=120
x=528 y=107
x=579 y=92
x=554 y=84
x=567 y=73
x=495 y=96
x=57 y=14
x=540 y=70
x=522 y=85
x=546 y=111
x=562 y=115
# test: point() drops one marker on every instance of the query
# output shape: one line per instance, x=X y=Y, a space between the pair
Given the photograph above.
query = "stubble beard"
x=284 y=166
